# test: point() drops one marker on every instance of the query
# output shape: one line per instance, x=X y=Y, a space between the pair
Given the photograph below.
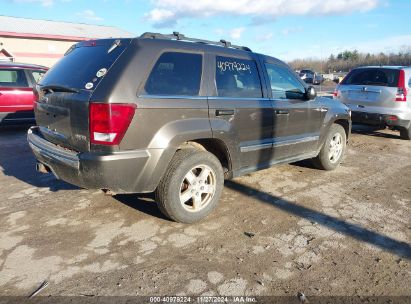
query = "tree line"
x=347 y=60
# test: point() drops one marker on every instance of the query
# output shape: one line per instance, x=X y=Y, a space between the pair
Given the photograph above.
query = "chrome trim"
x=147 y=96
x=277 y=143
x=197 y=97
x=288 y=142
x=236 y=98
x=367 y=89
x=256 y=147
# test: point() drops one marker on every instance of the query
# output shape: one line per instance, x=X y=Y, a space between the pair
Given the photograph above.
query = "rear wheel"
x=191 y=186
x=405 y=133
x=333 y=150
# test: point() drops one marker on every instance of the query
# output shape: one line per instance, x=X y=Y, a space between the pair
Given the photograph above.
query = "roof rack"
x=178 y=36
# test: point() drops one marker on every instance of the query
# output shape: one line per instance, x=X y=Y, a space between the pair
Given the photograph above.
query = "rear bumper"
x=378 y=119
x=14 y=118
x=120 y=172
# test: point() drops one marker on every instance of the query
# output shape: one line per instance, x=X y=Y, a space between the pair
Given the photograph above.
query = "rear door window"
x=237 y=78
x=175 y=74
x=13 y=78
x=373 y=76
x=284 y=83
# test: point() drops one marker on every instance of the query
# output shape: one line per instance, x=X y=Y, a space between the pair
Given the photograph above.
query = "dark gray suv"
x=177 y=116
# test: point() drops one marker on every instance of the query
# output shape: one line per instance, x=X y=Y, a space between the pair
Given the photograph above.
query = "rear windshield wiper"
x=58 y=88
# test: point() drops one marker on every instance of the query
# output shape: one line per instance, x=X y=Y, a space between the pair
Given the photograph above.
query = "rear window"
x=85 y=65
x=306 y=72
x=370 y=76
x=12 y=78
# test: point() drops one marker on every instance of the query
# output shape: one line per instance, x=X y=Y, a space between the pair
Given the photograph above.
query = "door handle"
x=282 y=112
x=224 y=112
x=321 y=109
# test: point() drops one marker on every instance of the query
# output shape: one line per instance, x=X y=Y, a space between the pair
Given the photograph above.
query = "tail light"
x=109 y=122
x=402 y=89
x=335 y=93
x=391 y=118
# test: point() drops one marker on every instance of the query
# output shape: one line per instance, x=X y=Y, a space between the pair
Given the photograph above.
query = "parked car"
x=318 y=79
x=379 y=96
x=176 y=115
x=307 y=75
x=310 y=76
x=16 y=91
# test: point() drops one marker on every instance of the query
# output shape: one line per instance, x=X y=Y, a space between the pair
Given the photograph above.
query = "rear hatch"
x=62 y=110
x=371 y=88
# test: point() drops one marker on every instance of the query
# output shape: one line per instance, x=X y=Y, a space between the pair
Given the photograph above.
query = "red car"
x=16 y=91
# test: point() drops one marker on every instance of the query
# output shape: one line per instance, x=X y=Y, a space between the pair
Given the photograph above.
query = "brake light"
x=335 y=94
x=109 y=122
x=391 y=118
x=401 y=90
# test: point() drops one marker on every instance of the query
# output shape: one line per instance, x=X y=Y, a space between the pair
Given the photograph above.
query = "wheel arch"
x=216 y=147
x=345 y=124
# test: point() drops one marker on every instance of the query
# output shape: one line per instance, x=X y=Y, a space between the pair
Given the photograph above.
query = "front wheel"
x=405 y=133
x=191 y=187
x=333 y=150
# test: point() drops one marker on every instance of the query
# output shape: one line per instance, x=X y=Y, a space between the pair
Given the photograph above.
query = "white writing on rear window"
x=233 y=66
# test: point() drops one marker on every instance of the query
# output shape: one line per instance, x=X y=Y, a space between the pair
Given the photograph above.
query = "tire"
x=179 y=192
x=405 y=133
x=333 y=150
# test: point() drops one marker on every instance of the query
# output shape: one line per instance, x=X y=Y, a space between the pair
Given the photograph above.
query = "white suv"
x=379 y=95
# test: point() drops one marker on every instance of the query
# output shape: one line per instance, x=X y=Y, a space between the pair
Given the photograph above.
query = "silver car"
x=379 y=95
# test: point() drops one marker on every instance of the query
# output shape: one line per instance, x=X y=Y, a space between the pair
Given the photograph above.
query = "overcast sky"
x=286 y=29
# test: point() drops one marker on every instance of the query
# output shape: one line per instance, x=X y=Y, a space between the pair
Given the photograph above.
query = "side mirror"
x=310 y=93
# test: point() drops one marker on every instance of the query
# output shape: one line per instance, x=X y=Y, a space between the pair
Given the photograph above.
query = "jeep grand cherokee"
x=176 y=115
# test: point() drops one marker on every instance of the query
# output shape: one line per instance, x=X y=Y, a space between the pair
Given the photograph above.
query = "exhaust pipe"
x=42 y=168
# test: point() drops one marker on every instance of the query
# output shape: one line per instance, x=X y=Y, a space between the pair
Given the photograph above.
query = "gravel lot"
x=280 y=231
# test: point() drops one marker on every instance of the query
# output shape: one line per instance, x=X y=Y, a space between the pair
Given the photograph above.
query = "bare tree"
x=347 y=60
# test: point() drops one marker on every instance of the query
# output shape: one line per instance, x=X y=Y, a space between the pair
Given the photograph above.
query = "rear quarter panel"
x=161 y=123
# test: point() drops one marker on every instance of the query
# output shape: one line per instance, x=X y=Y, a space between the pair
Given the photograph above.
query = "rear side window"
x=175 y=74
x=13 y=78
x=371 y=76
x=37 y=75
x=237 y=78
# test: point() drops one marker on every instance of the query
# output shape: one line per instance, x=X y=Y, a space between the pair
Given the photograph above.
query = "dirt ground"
x=280 y=231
